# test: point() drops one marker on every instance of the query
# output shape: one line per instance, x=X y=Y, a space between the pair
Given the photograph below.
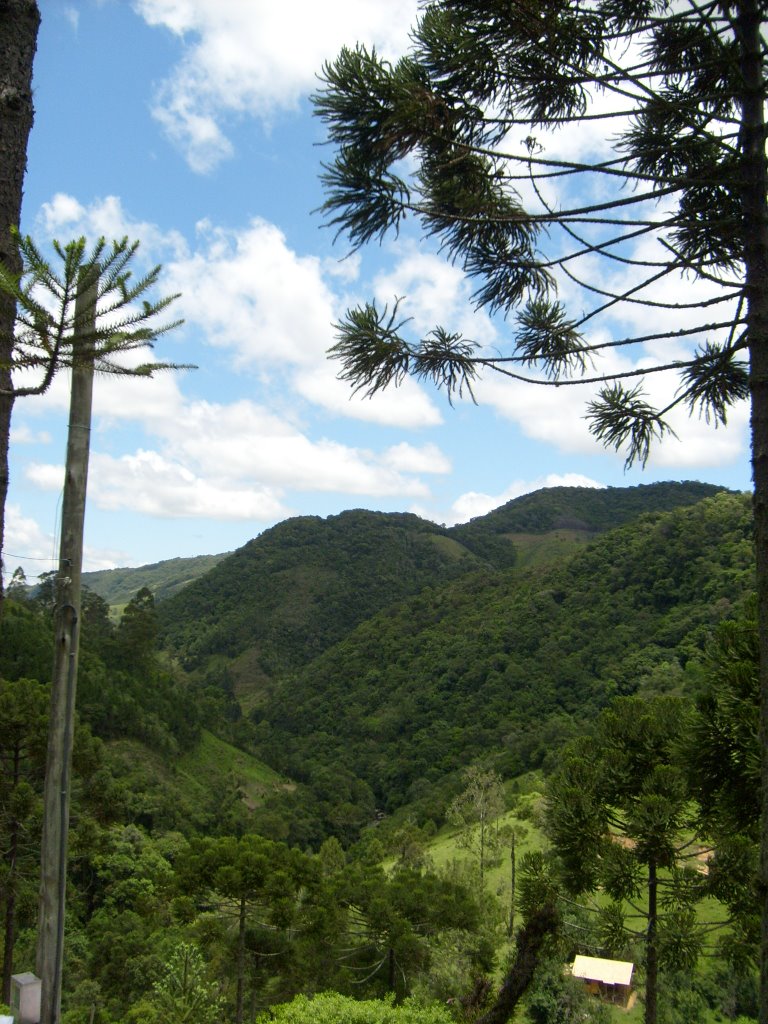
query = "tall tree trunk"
x=240 y=964
x=61 y=726
x=651 y=947
x=754 y=185
x=19 y=22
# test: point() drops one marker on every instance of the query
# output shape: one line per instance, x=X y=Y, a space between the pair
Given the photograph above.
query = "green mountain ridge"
x=370 y=656
x=301 y=586
x=304 y=584
x=165 y=578
x=592 y=509
x=511 y=665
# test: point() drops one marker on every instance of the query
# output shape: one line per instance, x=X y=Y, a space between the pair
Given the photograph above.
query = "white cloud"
x=64 y=217
x=557 y=415
x=95 y=558
x=25 y=540
x=72 y=15
x=701 y=444
x=62 y=210
x=37 y=552
x=251 y=293
x=407 y=406
x=205 y=143
x=248 y=292
x=426 y=459
x=236 y=62
x=46 y=476
x=552 y=415
x=434 y=292
x=23 y=434
x=234 y=461
x=148 y=483
x=248 y=443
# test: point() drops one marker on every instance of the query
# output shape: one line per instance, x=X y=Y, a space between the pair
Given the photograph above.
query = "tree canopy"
x=524 y=217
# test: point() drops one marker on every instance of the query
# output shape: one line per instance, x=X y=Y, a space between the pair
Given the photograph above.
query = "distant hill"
x=375 y=655
x=119 y=586
x=303 y=585
x=510 y=664
x=590 y=509
x=541 y=526
x=552 y=523
x=300 y=587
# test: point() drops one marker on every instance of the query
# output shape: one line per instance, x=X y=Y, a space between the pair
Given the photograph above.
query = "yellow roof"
x=610 y=972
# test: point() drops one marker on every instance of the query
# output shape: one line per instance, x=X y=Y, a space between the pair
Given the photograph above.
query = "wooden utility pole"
x=53 y=874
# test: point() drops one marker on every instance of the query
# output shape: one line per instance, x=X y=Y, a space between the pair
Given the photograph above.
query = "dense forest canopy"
x=293 y=804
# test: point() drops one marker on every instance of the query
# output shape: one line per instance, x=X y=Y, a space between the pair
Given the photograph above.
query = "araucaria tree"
x=87 y=315
x=471 y=133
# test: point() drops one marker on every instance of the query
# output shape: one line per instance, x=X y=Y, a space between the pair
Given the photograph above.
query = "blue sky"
x=186 y=124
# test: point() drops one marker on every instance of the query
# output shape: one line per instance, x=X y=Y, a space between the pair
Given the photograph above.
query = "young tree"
x=476 y=811
x=394 y=923
x=675 y=220
x=18 y=42
x=59 y=323
x=183 y=995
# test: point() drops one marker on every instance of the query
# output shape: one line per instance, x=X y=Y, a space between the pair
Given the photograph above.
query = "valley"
x=345 y=735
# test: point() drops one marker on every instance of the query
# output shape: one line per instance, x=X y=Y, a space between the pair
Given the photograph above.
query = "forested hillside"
x=118 y=586
x=507 y=665
x=317 y=780
x=303 y=585
x=591 y=509
x=300 y=587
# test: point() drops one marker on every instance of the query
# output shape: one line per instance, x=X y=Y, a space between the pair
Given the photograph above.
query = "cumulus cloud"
x=425 y=459
x=251 y=293
x=23 y=434
x=148 y=483
x=26 y=540
x=407 y=406
x=235 y=60
x=557 y=415
x=433 y=292
x=247 y=442
x=45 y=475
x=64 y=217
x=36 y=551
x=248 y=292
x=234 y=461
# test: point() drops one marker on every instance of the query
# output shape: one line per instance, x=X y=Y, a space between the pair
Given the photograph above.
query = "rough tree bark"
x=754 y=184
x=19 y=22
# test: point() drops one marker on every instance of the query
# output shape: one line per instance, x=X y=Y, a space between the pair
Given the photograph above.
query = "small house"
x=609 y=979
